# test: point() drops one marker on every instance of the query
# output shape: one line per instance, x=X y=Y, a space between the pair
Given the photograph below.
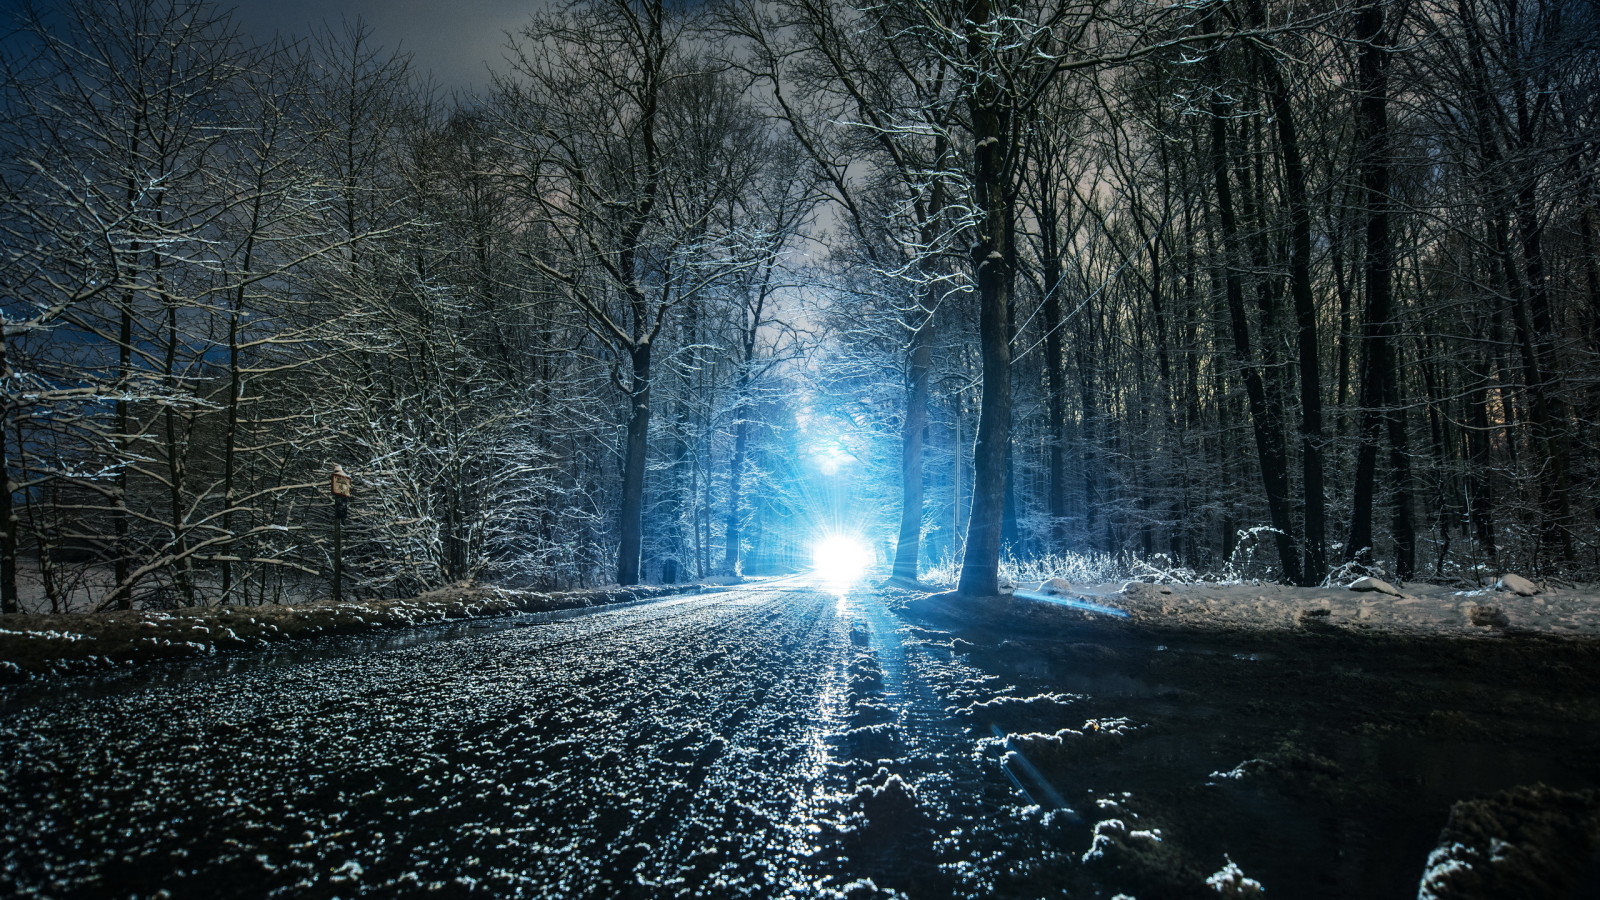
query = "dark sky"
x=455 y=40
x=450 y=38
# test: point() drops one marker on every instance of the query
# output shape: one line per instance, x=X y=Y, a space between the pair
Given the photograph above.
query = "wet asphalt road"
x=772 y=740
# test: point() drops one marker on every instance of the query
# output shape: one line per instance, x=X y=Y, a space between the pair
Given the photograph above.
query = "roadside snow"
x=1415 y=608
x=1376 y=585
x=42 y=644
x=1516 y=584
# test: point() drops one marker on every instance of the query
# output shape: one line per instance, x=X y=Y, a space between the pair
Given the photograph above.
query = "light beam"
x=1075 y=603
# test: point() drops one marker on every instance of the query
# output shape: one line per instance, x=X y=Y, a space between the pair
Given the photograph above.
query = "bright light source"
x=841 y=560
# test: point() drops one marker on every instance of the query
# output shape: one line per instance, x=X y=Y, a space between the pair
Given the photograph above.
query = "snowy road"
x=767 y=741
x=776 y=740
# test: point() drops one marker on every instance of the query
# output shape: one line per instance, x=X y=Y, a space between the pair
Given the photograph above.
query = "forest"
x=1228 y=288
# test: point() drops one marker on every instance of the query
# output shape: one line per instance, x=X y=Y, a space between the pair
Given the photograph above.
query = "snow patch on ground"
x=1416 y=609
x=1230 y=881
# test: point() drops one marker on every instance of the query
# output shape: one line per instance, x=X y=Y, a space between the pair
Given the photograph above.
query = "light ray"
x=1073 y=602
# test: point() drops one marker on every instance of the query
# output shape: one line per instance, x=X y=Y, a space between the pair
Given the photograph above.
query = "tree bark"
x=9 y=596
x=1305 y=316
x=1271 y=452
x=908 y=550
x=919 y=367
x=1480 y=490
x=1055 y=377
x=1534 y=320
x=733 y=528
x=631 y=526
x=993 y=257
x=1379 y=389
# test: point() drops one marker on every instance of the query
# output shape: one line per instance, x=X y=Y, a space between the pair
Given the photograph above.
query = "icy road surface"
x=774 y=740
x=777 y=740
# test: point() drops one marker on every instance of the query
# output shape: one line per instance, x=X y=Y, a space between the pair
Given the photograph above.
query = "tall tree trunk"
x=631 y=527
x=1305 y=317
x=676 y=500
x=1343 y=287
x=1590 y=252
x=1535 y=323
x=1010 y=528
x=733 y=528
x=1054 y=225
x=1271 y=452
x=1444 y=514
x=994 y=258
x=908 y=550
x=1379 y=389
x=9 y=596
x=677 y=495
x=175 y=433
x=919 y=368
x=1055 y=378
x=1480 y=490
x=230 y=433
x=121 y=518
x=958 y=469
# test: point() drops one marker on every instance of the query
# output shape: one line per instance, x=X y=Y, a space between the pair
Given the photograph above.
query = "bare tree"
x=610 y=170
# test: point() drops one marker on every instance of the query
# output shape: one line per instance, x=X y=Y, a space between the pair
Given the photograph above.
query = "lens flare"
x=841 y=560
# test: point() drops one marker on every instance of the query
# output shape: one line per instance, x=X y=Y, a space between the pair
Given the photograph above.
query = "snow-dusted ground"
x=1412 y=608
x=33 y=645
x=801 y=740
x=771 y=741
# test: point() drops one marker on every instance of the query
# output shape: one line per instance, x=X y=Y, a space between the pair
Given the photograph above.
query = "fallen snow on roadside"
x=1418 y=608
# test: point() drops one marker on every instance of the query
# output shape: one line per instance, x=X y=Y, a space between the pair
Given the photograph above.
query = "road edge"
x=34 y=645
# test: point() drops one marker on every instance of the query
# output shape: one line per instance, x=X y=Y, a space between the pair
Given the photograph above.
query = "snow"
x=1230 y=881
x=1516 y=584
x=47 y=635
x=1414 y=608
x=1443 y=862
x=1105 y=831
x=1377 y=585
x=1241 y=770
x=52 y=644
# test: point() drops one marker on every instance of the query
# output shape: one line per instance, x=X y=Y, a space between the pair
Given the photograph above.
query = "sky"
x=455 y=40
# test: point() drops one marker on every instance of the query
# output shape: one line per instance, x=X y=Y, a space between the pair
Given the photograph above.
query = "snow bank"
x=1412 y=608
